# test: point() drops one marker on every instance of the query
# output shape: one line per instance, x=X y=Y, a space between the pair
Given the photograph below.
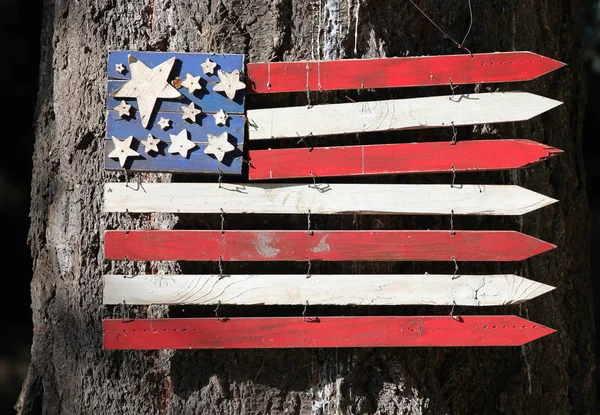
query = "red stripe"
x=398 y=72
x=397 y=158
x=284 y=332
x=167 y=245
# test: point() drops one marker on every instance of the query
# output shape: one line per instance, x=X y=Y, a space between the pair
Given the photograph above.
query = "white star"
x=164 y=123
x=190 y=112
x=218 y=145
x=221 y=117
x=151 y=144
x=192 y=83
x=147 y=85
x=230 y=83
x=122 y=150
x=208 y=67
x=180 y=143
x=120 y=68
x=124 y=109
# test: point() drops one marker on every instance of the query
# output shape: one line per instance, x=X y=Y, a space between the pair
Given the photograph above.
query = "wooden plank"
x=269 y=77
x=198 y=131
x=209 y=101
x=163 y=161
x=464 y=290
x=401 y=114
x=196 y=161
x=386 y=245
x=186 y=62
x=397 y=158
x=343 y=198
x=294 y=332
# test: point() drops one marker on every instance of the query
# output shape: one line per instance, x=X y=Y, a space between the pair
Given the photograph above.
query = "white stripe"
x=468 y=290
x=347 y=198
x=401 y=114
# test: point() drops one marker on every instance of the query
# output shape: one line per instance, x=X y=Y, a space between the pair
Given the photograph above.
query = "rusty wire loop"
x=453 y=176
x=321 y=189
x=452 y=311
x=304 y=311
x=454 y=133
x=452 y=232
x=452 y=88
x=125 y=320
x=309 y=266
x=216 y=310
x=220 y=177
x=304 y=140
x=221 y=275
x=308 y=231
x=458 y=45
x=455 y=275
x=222 y=221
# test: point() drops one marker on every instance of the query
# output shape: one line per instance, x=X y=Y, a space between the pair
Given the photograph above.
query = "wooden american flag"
x=185 y=113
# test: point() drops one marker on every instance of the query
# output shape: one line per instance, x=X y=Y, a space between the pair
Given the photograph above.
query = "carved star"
x=230 y=83
x=120 y=68
x=221 y=117
x=192 y=83
x=190 y=112
x=151 y=144
x=208 y=67
x=180 y=143
x=122 y=150
x=124 y=109
x=164 y=123
x=147 y=85
x=218 y=145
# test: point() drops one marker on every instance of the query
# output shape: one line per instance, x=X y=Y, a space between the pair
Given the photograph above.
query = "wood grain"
x=207 y=99
x=270 y=77
x=397 y=158
x=463 y=290
x=163 y=161
x=387 y=245
x=400 y=114
x=343 y=198
x=287 y=332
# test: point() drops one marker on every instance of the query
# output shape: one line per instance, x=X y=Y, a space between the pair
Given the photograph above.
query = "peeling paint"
x=264 y=245
x=323 y=246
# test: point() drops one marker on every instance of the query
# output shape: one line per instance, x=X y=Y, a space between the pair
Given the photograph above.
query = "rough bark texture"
x=70 y=374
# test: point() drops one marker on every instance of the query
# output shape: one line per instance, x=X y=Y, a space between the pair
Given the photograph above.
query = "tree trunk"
x=71 y=374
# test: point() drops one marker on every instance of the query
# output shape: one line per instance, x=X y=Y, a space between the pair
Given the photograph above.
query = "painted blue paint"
x=195 y=162
x=186 y=63
x=207 y=99
x=122 y=128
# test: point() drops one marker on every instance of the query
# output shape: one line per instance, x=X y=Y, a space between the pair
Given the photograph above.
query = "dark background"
x=19 y=31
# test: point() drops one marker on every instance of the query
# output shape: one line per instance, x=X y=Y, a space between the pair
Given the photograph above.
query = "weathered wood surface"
x=207 y=99
x=400 y=114
x=196 y=161
x=397 y=158
x=285 y=332
x=353 y=289
x=386 y=245
x=70 y=374
x=269 y=77
x=335 y=198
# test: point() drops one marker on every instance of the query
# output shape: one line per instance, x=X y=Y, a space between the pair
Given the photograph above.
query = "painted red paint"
x=387 y=245
x=496 y=67
x=397 y=158
x=286 y=332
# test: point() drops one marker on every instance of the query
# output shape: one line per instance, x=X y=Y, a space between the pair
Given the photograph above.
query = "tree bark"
x=71 y=374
